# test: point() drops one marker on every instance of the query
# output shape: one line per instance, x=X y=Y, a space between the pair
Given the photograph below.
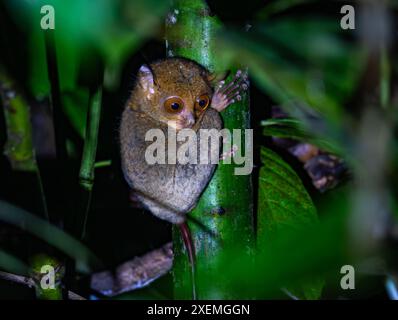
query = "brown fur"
x=172 y=77
x=169 y=191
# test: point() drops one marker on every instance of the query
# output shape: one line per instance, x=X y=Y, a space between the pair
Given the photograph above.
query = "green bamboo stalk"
x=385 y=78
x=19 y=146
x=225 y=207
x=87 y=168
x=86 y=176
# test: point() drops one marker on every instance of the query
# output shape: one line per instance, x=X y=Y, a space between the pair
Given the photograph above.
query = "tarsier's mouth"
x=187 y=124
x=182 y=124
x=177 y=125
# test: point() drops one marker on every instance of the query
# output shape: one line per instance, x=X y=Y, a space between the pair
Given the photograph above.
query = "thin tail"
x=190 y=248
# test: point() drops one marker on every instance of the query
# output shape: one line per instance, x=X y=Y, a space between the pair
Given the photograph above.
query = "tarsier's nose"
x=189 y=120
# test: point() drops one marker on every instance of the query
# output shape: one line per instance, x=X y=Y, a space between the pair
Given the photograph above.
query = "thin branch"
x=134 y=274
x=31 y=283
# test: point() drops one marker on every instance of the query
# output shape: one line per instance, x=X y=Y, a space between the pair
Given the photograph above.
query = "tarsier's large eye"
x=173 y=105
x=202 y=102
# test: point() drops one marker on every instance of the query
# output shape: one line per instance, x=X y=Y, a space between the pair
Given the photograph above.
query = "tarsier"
x=172 y=93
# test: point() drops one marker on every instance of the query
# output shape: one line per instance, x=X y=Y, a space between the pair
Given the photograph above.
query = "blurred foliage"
x=293 y=129
x=303 y=63
x=297 y=59
x=76 y=115
x=54 y=236
x=296 y=255
x=114 y=28
x=12 y=264
x=279 y=6
x=283 y=203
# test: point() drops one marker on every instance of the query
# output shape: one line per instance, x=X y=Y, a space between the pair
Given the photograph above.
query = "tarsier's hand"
x=228 y=94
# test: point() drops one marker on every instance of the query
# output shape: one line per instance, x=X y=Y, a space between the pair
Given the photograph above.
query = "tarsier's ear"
x=216 y=77
x=145 y=78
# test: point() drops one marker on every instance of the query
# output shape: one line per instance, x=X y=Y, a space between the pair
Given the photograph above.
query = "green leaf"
x=85 y=260
x=12 y=264
x=75 y=105
x=283 y=204
x=283 y=200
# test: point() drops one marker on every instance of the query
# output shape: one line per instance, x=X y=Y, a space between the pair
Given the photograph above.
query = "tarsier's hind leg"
x=138 y=200
x=190 y=248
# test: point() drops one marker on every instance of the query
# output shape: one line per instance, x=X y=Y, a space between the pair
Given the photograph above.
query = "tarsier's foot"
x=228 y=94
x=229 y=154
